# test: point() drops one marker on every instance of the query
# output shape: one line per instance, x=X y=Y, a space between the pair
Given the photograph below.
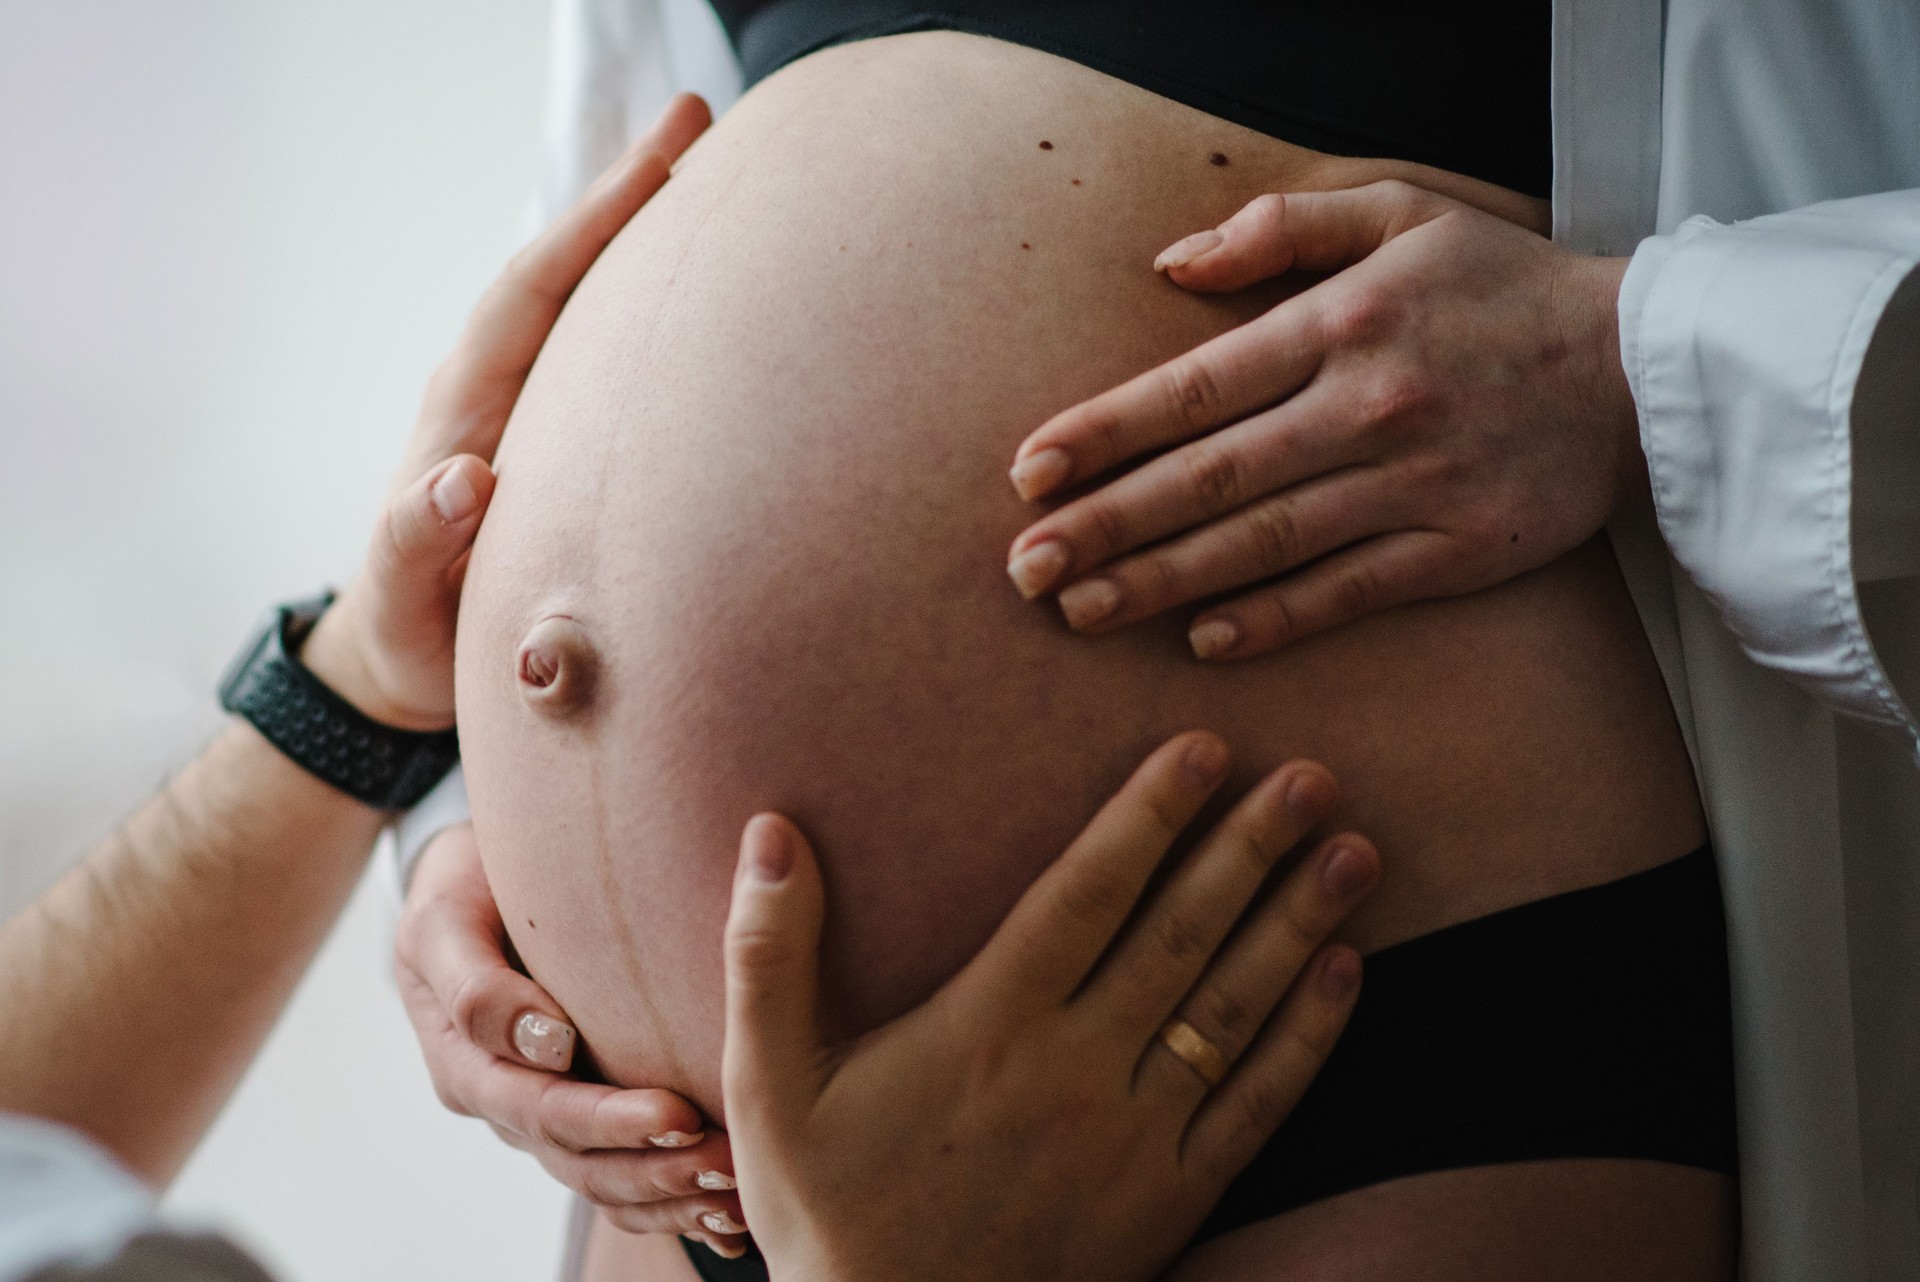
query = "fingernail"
x=453 y=495
x=1206 y=757
x=769 y=852
x=716 y=1181
x=1038 y=568
x=1348 y=874
x=1182 y=252
x=676 y=1139
x=1089 y=601
x=1340 y=974
x=721 y=1222
x=1213 y=638
x=1040 y=472
x=543 y=1041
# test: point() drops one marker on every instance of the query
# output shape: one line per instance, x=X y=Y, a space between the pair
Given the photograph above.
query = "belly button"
x=556 y=666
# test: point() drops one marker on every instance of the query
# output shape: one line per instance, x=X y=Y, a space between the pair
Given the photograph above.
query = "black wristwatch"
x=321 y=731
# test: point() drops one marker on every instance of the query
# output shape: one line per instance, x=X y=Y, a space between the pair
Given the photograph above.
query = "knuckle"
x=1265 y=1102
x=755 y=950
x=1360 y=316
x=1275 y=533
x=1095 y=900
x=1181 y=938
x=1108 y=525
x=467 y=1005
x=1218 y=476
x=1194 y=392
x=1267 y=212
x=1396 y=397
x=1357 y=591
x=1224 y=1017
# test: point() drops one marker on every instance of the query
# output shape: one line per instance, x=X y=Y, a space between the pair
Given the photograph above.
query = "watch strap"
x=331 y=739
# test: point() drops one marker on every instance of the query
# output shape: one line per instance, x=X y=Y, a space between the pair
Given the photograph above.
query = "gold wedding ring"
x=1195 y=1051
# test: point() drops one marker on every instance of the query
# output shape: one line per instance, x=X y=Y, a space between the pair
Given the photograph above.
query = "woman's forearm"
x=135 y=992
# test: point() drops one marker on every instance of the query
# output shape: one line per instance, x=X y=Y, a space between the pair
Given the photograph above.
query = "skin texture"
x=761 y=467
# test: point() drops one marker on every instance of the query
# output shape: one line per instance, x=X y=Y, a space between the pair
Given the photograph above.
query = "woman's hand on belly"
x=1446 y=412
x=1076 y=1099
x=497 y=1047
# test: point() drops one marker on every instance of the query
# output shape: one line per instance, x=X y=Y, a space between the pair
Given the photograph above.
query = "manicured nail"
x=1038 y=568
x=1182 y=252
x=721 y=1222
x=1348 y=874
x=676 y=1139
x=1089 y=601
x=1040 y=472
x=1214 y=637
x=543 y=1041
x=453 y=495
x=715 y=1181
x=1206 y=757
x=769 y=852
x=1340 y=974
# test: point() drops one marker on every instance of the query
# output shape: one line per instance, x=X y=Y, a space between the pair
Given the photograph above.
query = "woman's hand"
x=1444 y=414
x=497 y=1047
x=1032 y=1120
x=390 y=653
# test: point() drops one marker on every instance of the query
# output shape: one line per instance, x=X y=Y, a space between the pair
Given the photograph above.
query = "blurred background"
x=235 y=237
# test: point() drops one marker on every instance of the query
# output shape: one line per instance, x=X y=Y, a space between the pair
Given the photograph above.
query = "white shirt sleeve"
x=1782 y=480
x=62 y=1198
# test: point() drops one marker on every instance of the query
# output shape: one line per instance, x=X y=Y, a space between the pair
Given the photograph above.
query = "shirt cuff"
x=62 y=1197
x=1744 y=345
x=415 y=830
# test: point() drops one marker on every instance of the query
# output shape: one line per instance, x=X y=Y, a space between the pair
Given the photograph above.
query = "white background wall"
x=235 y=236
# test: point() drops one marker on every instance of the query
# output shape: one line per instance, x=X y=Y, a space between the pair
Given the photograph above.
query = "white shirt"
x=65 y=1202
x=1778 y=586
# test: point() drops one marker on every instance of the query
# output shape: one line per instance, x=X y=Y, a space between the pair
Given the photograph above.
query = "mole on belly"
x=1219 y=160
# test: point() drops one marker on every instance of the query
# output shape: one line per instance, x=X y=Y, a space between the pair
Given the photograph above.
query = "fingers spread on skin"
x=718 y=1214
x=1244 y=1111
x=1269 y=952
x=1175 y=935
x=1319 y=231
x=1218 y=382
x=1066 y=920
x=1271 y=536
x=1369 y=576
x=640 y=1177
x=578 y=1117
x=1309 y=435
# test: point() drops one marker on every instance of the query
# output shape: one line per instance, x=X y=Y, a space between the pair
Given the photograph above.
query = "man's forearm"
x=154 y=969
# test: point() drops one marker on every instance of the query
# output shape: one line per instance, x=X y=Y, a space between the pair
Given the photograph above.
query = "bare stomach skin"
x=761 y=468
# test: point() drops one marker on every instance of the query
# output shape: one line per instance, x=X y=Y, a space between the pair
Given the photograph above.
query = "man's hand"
x=387 y=644
x=1445 y=412
x=497 y=1047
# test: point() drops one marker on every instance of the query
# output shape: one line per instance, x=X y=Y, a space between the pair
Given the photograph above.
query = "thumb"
x=773 y=1046
x=428 y=527
x=1313 y=231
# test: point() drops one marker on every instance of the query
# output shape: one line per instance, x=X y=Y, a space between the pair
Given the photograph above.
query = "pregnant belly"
x=761 y=465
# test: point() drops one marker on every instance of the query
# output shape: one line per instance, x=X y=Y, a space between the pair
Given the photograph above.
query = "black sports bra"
x=1460 y=86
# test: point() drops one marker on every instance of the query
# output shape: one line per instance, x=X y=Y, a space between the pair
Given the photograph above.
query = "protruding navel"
x=556 y=666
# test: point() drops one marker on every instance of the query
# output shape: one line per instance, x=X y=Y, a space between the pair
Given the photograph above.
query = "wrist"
x=1592 y=296
x=339 y=653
